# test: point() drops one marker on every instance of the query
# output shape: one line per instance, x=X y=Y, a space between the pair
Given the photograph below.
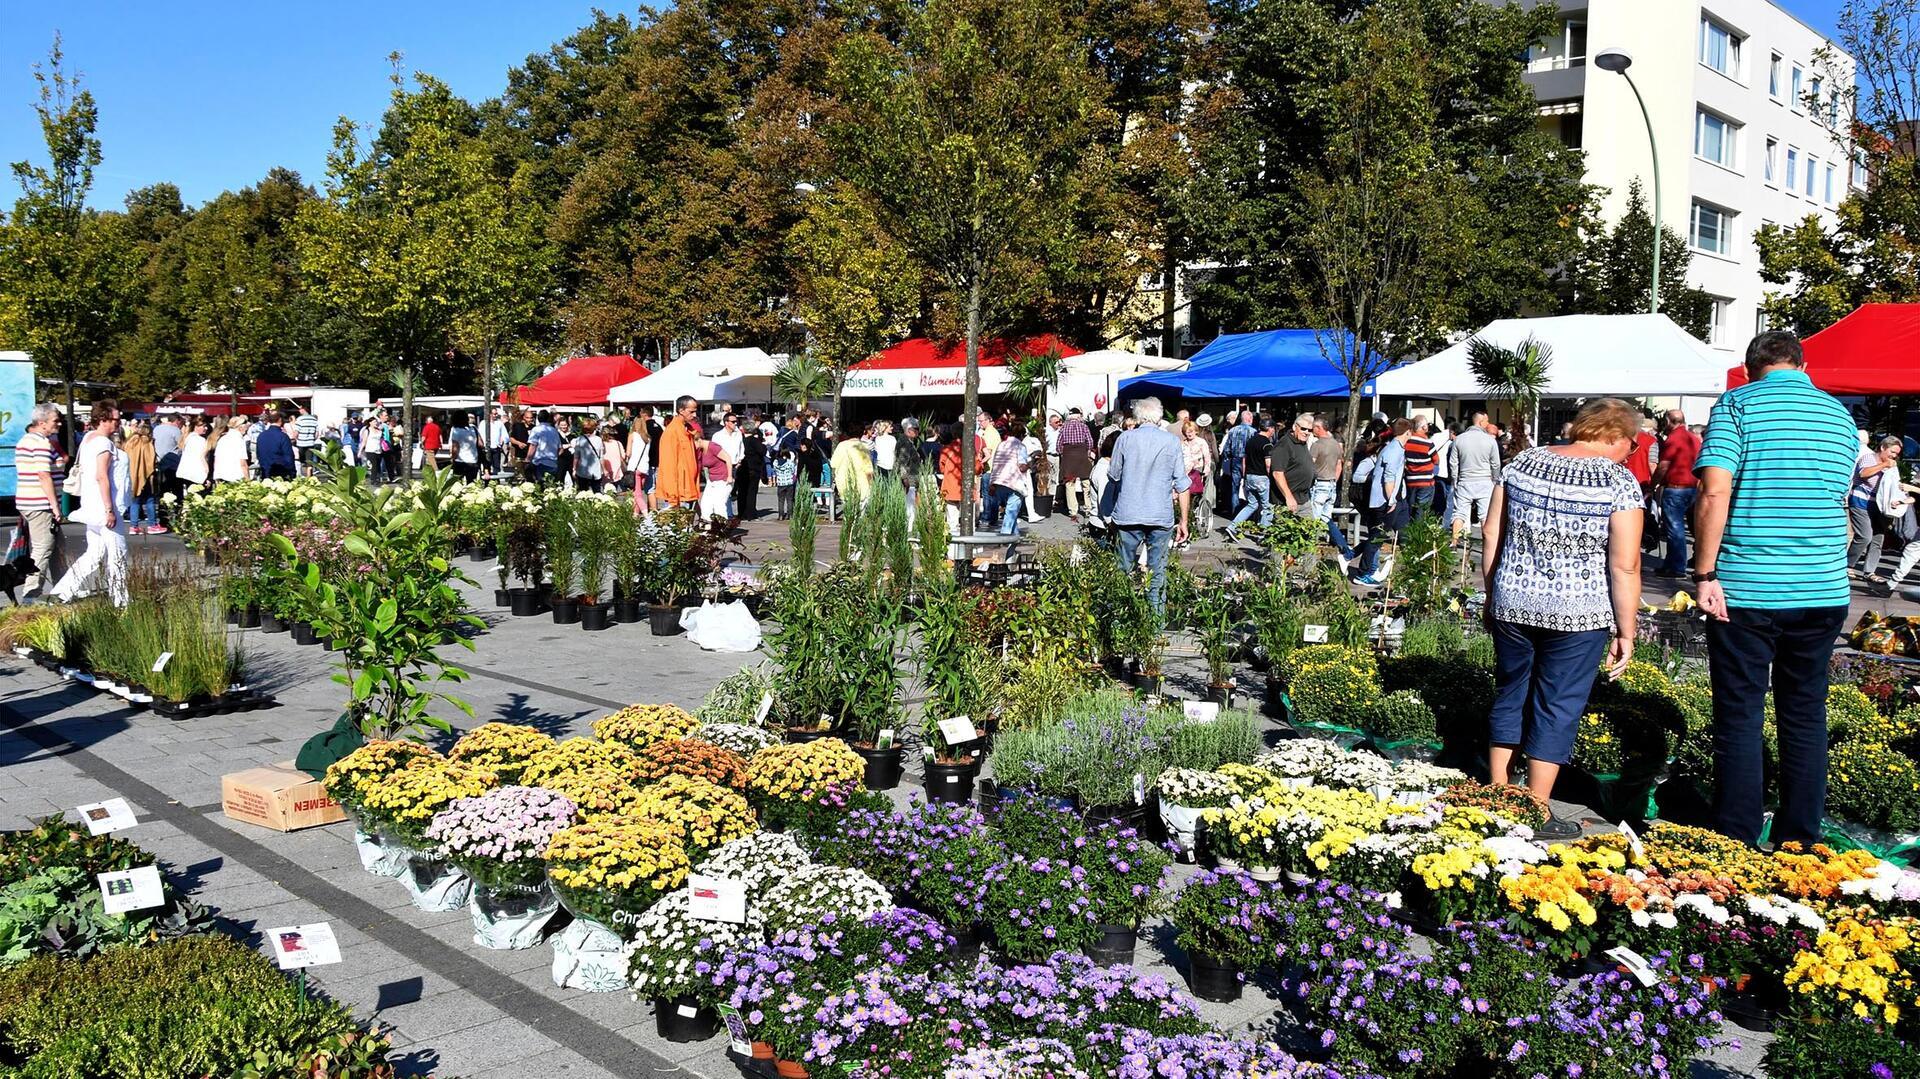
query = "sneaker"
x=137 y=530
x=1232 y=534
x=1374 y=581
x=156 y=530
x=1344 y=563
x=1558 y=828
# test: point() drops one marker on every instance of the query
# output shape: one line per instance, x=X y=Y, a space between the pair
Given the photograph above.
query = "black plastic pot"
x=1151 y=826
x=967 y=940
x=595 y=617
x=951 y=783
x=883 y=767
x=1147 y=684
x=1114 y=946
x=566 y=612
x=303 y=633
x=1213 y=979
x=664 y=619
x=270 y=623
x=481 y=554
x=1220 y=695
x=1276 y=701
x=525 y=601
x=802 y=735
x=250 y=616
x=503 y=597
x=1126 y=816
x=627 y=611
x=682 y=1019
x=233 y=616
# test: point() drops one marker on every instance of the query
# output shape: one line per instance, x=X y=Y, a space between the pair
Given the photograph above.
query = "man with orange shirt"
x=678 y=480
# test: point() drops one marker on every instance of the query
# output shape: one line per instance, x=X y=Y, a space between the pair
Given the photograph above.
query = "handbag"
x=1196 y=481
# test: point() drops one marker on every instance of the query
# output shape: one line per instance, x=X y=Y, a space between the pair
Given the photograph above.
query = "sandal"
x=1875 y=578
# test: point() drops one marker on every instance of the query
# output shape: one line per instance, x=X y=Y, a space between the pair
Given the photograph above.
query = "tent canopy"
x=685 y=377
x=1266 y=363
x=1593 y=356
x=921 y=366
x=1874 y=350
x=583 y=380
x=1112 y=361
x=730 y=362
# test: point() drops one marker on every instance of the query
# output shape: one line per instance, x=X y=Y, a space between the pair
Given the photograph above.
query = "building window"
x=1714 y=137
x=1717 y=322
x=1760 y=325
x=1816 y=95
x=1773 y=77
x=1828 y=192
x=1798 y=75
x=1859 y=169
x=1812 y=167
x=1719 y=48
x=1769 y=166
x=1793 y=164
x=1712 y=229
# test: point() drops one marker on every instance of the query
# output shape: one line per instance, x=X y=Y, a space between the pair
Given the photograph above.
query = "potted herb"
x=497 y=839
x=595 y=523
x=563 y=521
x=669 y=950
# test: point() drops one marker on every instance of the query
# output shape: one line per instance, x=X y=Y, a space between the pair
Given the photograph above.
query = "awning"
x=1593 y=356
x=922 y=367
x=713 y=374
x=1874 y=350
x=583 y=380
x=1265 y=364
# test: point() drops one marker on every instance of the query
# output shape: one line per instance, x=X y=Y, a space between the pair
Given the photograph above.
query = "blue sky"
x=209 y=94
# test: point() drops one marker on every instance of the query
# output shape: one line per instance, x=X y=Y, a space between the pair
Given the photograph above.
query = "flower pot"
x=503 y=597
x=435 y=884
x=509 y=918
x=1115 y=945
x=595 y=617
x=566 y=612
x=627 y=611
x=1213 y=979
x=967 y=941
x=302 y=633
x=1126 y=816
x=682 y=1019
x=759 y=1051
x=524 y=601
x=1275 y=704
x=951 y=783
x=664 y=619
x=790 y=1069
x=591 y=956
x=1221 y=695
x=379 y=855
x=801 y=735
x=233 y=616
x=883 y=766
x=481 y=554
x=271 y=623
x=250 y=616
x=1147 y=684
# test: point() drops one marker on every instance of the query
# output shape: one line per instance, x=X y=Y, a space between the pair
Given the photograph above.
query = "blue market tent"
x=1267 y=364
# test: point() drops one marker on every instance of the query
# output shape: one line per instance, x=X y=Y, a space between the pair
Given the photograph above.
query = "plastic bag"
x=1183 y=824
x=589 y=956
x=511 y=918
x=378 y=855
x=722 y=627
x=434 y=883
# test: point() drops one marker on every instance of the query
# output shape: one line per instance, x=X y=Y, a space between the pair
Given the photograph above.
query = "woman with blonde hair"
x=143 y=514
x=1199 y=465
x=230 y=452
x=1562 y=570
x=191 y=472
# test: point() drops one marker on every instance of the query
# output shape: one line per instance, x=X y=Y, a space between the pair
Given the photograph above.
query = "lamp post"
x=1618 y=60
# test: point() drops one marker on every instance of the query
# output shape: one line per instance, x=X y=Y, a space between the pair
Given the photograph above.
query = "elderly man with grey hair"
x=1147 y=468
x=37 y=496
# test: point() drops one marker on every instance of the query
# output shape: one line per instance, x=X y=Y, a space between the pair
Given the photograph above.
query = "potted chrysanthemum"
x=404 y=805
x=607 y=872
x=347 y=781
x=498 y=840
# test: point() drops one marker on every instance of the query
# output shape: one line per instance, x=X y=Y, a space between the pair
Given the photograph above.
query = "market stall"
x=583 y=380
x=1593 y=356
x=1874 y=350
x=712 y=374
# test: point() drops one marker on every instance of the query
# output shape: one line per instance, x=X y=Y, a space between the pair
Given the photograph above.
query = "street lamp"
x=1618 y=60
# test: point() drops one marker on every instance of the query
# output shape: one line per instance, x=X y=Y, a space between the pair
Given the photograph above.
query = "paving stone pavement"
x=456 y=1010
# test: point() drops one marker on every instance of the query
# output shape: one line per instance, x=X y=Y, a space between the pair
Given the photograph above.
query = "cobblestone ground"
x=455 y=1009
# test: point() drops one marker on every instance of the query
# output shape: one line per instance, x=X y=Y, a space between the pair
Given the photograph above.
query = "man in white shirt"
x=493 y=439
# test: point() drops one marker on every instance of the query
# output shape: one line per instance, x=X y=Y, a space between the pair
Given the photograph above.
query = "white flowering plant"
x=758 y=861
x=672 y=953
x=741 y=738
x=805 y=898
x=1195 y=789
x=498 y=837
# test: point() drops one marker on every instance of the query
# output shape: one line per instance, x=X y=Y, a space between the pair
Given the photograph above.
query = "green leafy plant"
x=930 y=528
x=1436 y=636
x=624 y=551
x=1231 y=737
x=1402 y=716
x=597 y=526
x=562 y=532
x=1213 y=623
x=950 y=660
x=803 y=531
x=1425 y=565
x=1520 y=374
x=1278 y=619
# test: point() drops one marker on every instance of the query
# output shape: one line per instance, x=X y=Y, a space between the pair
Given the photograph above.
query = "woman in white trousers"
x=103 y=486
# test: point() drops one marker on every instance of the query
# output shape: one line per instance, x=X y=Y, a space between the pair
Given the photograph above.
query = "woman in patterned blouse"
x=1562 y=568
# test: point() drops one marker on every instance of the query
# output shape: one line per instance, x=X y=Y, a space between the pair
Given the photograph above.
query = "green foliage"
x=1213 y=620
x=950 y=660
x=1424 y=569
x=1290 y=537
x=1231 y=737
x=1437 y=636
x=168 y=610
x=803 y=528
x=856 y=286
x=1520 y=374
x=1851 y=714
x=1278 y=619
x=200 y=1006
x=391 y=620
x=598 y=528
x=1873 y=784
x=834 y=652
x=736 y=698
x=1613 y=271
x=1401 y=716
x=801 y=378
x=930 y=529
x=562 y=534
x=51 y=900
x=1846 y=1048
x=1338 y=694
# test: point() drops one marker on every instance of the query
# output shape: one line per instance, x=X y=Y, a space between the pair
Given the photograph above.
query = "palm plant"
x=802 y=378
x=1518 y=373
x=516 y=372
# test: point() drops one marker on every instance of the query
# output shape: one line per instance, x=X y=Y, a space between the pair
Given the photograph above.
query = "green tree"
x=856 y=285
x=150 y=359
x=241 y=284
x=971 y=135
x=67 y=274
x=1614 y=270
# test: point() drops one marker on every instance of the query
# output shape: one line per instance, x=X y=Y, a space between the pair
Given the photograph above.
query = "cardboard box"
x=278 y=796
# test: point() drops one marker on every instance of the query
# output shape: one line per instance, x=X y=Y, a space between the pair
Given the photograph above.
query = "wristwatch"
x=1703 y=578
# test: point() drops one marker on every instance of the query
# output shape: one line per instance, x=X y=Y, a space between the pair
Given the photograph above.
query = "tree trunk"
x=970 y=405
x=1352 y=443
x=73 y=421
x=406 y=425
x=486 y=399
x=1169 y=274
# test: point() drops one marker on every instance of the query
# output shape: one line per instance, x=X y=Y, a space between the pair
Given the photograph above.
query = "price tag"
x=131 y=889
x=1201 y=711
x=112 y=815
x=160 y=662
x=738 y=1039
x=1633 y=842
x=1314 y=635
x=686 y=1011
x=958 y=730
x=766 y=705
x=885 y=739
x=1139 y=789
x=297 y=946
x=1635 y=965
x=716 y=899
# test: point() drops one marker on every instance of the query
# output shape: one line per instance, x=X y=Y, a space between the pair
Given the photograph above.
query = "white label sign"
x=716 y=899
x=1633 y=842
x=958 y=730
x=1635 y=965
x=160 y=663
x=112 y=815
x=1139 y=789
x=1314 y=635
x=132 y=889
x=738 y=1039
x=1201 y=711
x=766 y=705
x=297 y=946
x=885 y=739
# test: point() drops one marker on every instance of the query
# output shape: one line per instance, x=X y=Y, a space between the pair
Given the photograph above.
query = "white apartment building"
x=1725 y=85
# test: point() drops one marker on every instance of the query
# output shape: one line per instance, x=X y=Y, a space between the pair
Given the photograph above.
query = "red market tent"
x=927 y=352
x=1874 y=350
x=583 y=380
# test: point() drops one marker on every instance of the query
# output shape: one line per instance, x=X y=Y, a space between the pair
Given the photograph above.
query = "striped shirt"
x=1790 y=449
x=1420 y=461
x=32 y=458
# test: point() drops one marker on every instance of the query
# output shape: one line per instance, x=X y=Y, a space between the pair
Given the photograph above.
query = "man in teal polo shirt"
x=1771 y=569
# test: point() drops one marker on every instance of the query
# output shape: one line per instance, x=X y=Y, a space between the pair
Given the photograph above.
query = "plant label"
x=958 y=731
x=1635 y=965
x=760 y=713
x=160 y=662
x=826 y=722
x=1314 y=634
x=738 y=1039
x=716 y=899
x=1633 y=842
x=686 y=1011
x=1139 y=789
x=131 y=889
x=885 y=739
x=1201 y=711
x=297 y=946
x=112 y=815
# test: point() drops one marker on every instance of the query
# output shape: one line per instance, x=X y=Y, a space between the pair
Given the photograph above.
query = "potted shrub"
x=352 y=776
x=524 y=553
x=626 y=559
x=866 y=668
x=668 y=950
x=502 y=525
x=563 y=520
x=951 y=661
x=607 y=872
x=1403 y=726
x=804 y=679
x=1226 y=922
x=596 y=523
x=497 y=839
x=1213 y=624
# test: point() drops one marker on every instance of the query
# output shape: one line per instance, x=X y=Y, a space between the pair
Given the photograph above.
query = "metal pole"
x=1653 y=147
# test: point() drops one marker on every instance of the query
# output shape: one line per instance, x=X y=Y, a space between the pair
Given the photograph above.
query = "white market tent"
x=709 y=374
x=1112 y=361
x=1593 y=356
